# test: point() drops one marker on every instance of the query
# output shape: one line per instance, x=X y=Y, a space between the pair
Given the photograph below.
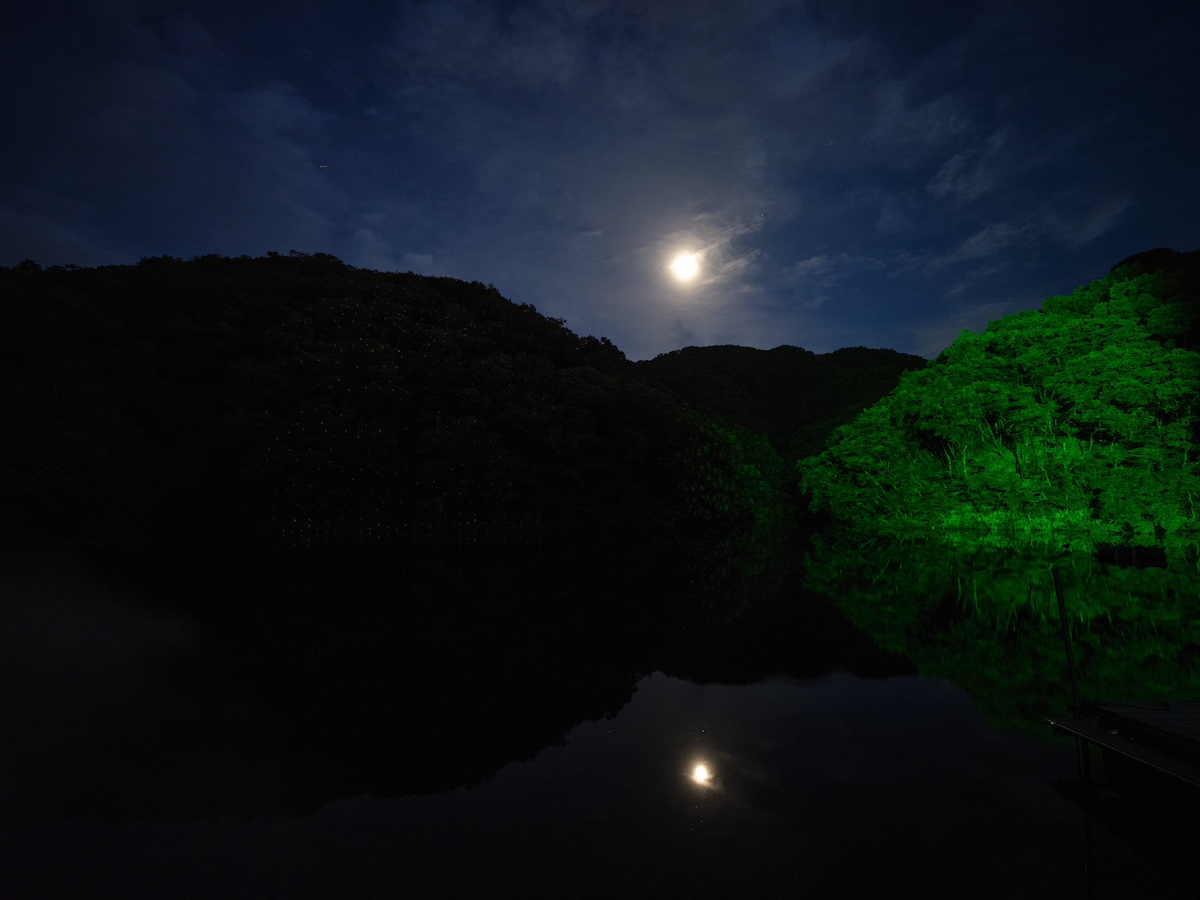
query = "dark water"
x=148 y=755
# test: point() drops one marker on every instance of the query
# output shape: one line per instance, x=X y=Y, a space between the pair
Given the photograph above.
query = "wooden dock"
x=1127 y=747
x=1145 y=739
x=1151 y=754
x=1173 y=725
x=1151 y=794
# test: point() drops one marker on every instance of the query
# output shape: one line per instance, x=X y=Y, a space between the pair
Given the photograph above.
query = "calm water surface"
x=830 y=786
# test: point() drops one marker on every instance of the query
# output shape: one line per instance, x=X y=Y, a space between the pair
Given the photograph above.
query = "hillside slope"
x=1080 y=415
x=297 y=399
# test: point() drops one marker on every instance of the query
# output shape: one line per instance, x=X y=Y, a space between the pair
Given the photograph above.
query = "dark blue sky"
x=851 y=171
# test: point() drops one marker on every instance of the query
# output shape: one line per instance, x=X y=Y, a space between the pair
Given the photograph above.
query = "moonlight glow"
x=686 y=266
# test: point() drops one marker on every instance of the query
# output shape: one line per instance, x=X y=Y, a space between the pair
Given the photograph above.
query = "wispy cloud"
x=829 y=268
x=985 y=243
x=915 y=127
x=845 y=169
x=1076 y=223
x=716 y=246
x=973 y=172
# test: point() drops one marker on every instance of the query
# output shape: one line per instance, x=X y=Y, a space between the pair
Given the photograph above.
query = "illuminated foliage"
x=1080 y=415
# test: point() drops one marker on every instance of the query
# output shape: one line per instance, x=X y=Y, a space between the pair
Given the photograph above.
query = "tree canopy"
x=1079 y=415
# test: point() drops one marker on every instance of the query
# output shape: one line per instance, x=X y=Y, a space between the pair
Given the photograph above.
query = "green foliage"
x=1082 y=414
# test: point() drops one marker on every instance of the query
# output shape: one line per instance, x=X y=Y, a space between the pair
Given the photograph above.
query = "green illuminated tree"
x=1082 y=414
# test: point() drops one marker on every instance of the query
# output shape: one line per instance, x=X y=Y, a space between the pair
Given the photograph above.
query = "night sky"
x=849 y=172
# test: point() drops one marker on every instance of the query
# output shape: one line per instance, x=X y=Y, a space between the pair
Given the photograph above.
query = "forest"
x=176 y=408
x=398 y=505
x=1080 y=416
x=292 y=402
x=297 y=397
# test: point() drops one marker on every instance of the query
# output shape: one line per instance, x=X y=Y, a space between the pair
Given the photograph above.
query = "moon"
x=686 y=266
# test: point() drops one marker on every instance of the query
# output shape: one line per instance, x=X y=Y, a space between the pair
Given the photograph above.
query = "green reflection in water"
x=986 y=618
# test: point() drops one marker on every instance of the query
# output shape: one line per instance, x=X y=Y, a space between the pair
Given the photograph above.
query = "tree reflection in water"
x=985 y=616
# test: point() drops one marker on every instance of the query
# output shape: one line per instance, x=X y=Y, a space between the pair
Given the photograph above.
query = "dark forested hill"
x=1082 y=414
x=791 y=395
x=297 y=398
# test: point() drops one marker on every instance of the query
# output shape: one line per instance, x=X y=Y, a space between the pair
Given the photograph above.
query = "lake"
x=153 y=752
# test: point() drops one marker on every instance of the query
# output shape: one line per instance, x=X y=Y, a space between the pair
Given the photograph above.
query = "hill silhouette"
x=298 y=402
x=297 y=396
x=793 y=396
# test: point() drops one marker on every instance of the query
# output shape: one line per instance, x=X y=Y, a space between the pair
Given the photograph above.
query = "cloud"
x=885 y=156
x=896 y=214
x=419 y=262
x=451 y=47
x=661 y=148
x=715 y=242
x=164 y=154
x=984 y=243
x=814 y=265
x=1066 y=222
x=918 y=127
x=814 y=281
x=277 y=113
x=540 y=48
x=1088 y=220
x=971 y=173
x=830 y=269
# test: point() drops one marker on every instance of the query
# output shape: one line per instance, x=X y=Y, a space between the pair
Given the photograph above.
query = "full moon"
x=685 y=266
